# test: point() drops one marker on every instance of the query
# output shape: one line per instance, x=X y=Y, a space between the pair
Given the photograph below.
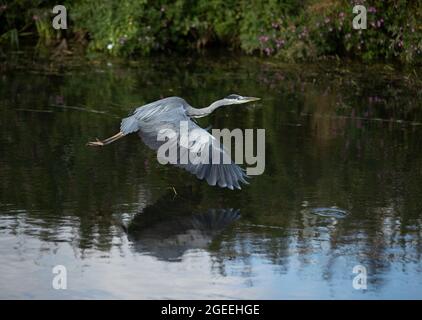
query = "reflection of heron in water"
x=166 y=115
x=168 y=228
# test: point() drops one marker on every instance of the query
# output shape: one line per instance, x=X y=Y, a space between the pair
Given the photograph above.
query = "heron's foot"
x=97 y=143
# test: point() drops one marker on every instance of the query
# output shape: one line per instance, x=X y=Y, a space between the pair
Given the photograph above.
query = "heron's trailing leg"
x=100 y=143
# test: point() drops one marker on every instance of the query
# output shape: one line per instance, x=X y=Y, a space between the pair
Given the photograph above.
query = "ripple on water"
x=331 y=212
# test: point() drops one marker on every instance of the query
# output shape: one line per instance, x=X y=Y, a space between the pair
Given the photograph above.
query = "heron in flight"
x=167 y=114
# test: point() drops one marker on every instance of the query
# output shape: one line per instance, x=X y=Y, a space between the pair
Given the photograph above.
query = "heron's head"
x=237 y=99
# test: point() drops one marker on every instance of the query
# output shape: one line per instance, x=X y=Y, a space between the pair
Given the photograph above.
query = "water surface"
x=342 y=185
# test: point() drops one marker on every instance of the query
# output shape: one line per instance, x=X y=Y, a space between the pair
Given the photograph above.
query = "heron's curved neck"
x=198 y=113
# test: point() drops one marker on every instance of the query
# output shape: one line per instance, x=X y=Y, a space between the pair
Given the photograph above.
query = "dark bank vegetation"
x=288 y=29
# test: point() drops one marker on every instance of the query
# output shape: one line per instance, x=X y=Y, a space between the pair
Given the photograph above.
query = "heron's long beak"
x=249 y=99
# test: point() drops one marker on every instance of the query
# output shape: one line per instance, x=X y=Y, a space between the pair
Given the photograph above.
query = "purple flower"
x=279 y=43
x=372 y=10
x=268 y=51
x=263 y=39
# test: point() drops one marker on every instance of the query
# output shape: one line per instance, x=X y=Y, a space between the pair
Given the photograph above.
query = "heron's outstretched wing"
x=166 y=119
x=153 y=113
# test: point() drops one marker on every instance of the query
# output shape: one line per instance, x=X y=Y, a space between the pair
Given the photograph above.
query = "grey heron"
x=167 y=114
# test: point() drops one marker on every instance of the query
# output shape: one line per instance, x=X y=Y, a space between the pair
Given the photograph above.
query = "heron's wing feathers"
x=153 y=113
x=129 y=125
x=222 y=172
x=201 y=154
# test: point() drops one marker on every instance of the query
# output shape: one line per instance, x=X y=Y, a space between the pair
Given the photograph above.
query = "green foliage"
x=325 y=28
x=22 y=18
x=288 y=29
x=128 y=27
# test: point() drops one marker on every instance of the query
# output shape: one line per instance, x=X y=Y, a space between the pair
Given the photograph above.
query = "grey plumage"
x=167 y=114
